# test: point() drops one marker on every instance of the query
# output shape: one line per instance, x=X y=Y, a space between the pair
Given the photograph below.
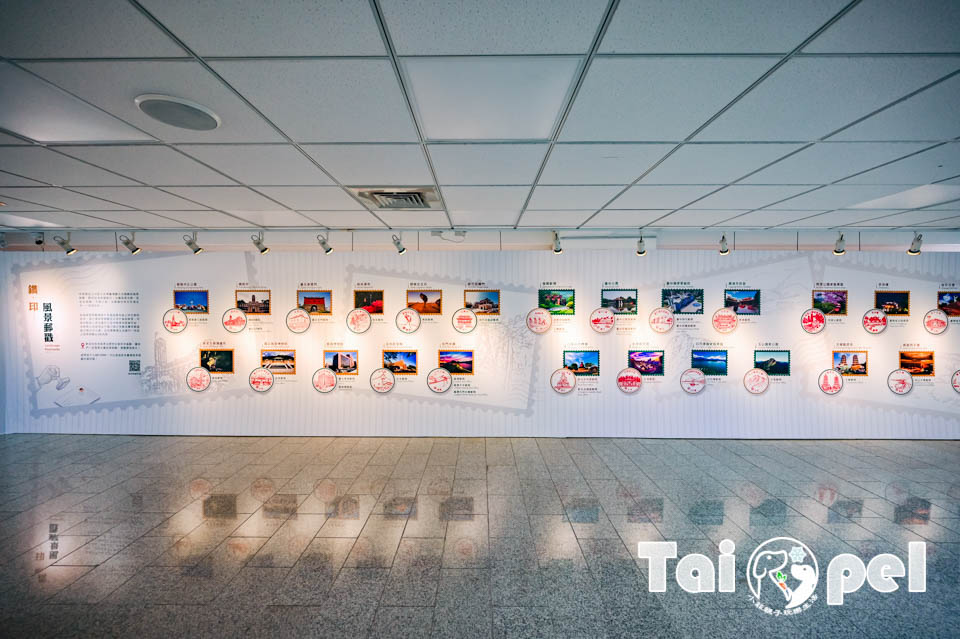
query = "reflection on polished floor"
x=391 y=537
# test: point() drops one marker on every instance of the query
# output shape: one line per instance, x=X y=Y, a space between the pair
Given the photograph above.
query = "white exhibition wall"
x=107 y=365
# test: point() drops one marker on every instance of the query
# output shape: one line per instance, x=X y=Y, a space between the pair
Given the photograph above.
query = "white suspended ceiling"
x=806 y=114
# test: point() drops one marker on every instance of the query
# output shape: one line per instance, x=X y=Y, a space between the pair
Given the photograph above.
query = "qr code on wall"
x=134 y=365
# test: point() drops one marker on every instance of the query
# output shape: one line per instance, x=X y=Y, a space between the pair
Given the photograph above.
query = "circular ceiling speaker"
x=178 y=112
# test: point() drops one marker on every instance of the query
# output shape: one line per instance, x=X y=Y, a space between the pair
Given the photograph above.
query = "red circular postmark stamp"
x=261 y=380
x=813 y=321
x=408 y=320
x=756 y=381
x=175 y=320
x=359 y=320
x=539 y=320
x=603 y=320
x=382 y=380
x=234 y=320
x=629 y=380
x=324 y=380
x=900 y=381
x=724 y=320
x=935 y=321
x=298 y=320
x=830 y=382
x=563 y=380
x=693 y=381
x=439 y=380
x=661 y=320
x=874 y=321
x=464 y=320
x=198 y=379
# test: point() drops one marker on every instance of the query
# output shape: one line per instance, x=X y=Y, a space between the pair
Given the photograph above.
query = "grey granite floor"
x=361 y=537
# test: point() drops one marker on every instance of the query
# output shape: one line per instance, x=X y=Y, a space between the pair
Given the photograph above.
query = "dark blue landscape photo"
x=709 y=361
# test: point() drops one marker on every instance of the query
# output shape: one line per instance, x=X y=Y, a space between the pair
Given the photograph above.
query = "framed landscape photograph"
x=400 y=362
x=742 y=301
x=316 y=302
x=194 y=301
x=482 y=301
x=456 y=362
x=217 y=360
x=647 y=362
x=425 y=302
x=279 y=361
x=892 y=302
x=370 y=301
x=559 y=301
x=830 y=302
x=253 y=302
x=773 y=362
x=622 y=301
x=850 y=363
x=710 y=361
x=585 y=363
x=682 y=301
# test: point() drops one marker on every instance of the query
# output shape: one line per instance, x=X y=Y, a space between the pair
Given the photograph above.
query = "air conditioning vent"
x=399 y=198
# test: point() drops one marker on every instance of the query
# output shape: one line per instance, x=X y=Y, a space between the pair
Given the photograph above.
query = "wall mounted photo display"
x=359 y=320
x=324 y=380
x=850 y=363
x=900 y=382
x=949 y=302
x=539 y=320
x=662 y=320
x=456 y=362
x=830 y=382
x=563 y=381
x=893 y=303
x=341 y=362
x=400 y=362
x=874 y=321
x=756 y=381
x=281 y=361
x=582 y=363
x=724 y=320
x=936 y=321
x=622 y=301
x=693 y=381
x=602 y=320
x=813 y=321
x=261 y=379
x=408 y=321
x=382 y=380
x=198 y=379
x=439 y=380
x=464 y=320
x=253 y=301
x=298 y=320
x=712 y=361
x=234 y=320
x=482 y=301
x=425 y=301
x=175 y=321
x=918 y=363
x=629 y=380
x=194 y=301
x=557 y=301
x=369 y=300
x=315 y=301
x=649 y=363
x=830 y=301
x=682 y=301
x=773 y=361
x=743 y=301
x=217 y=360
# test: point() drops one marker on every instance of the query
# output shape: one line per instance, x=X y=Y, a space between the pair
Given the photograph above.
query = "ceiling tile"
x=54 y=168
x=325 y=100
x=654 y=99
x=60 y=198
x=205 y=220
x=9 y=179
x=715 y=163
x=113 y=85
x=489 y=98
x=344 y=219
x=9 y=139
x=930 y=115
x=13 y=204
x=23 y=220
x=948 y=223
x=828 y=162
x=808 y=98
x=600 y=163
x=906 y=218
x=555 y=219
x=480 y=27
x=225 y=197
x=137 y=219
x=767 y=218
x=881 y=26
x=927 y=195
x=68 y=219
x=311 y=198
x=281 y=28
x=88 y=29
x=150 y=164
x=496 y=198
x=259 y=164
x=571 y=197
x=487 y=163
x=140 y=197
x=278 y=217
x=923 y=168
x=659 y=197
x=635 y=219
x=373 y=164
x=836 y=197
x=484 y=218
x=693 y=218
x=833 y=219
x=707 y=26
x=33 y=108
x=415 y=219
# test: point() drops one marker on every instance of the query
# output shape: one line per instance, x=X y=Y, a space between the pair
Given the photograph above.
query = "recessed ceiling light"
x=178 y=112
